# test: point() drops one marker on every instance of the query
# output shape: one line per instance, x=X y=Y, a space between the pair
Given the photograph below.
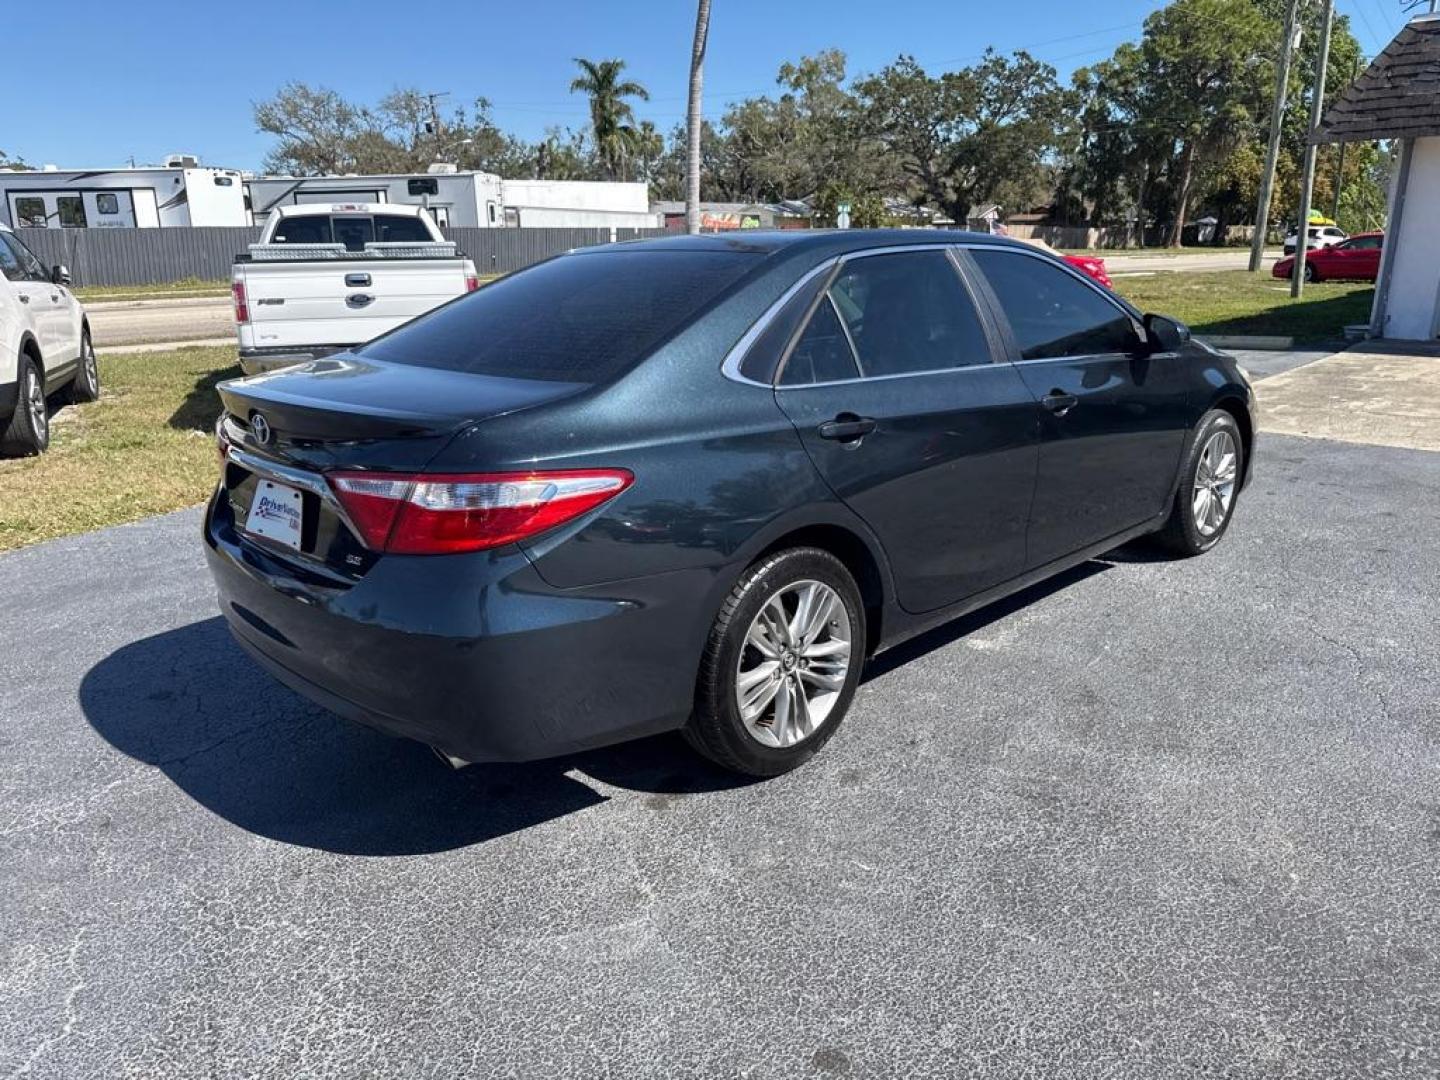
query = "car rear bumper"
x=254 y=361
x=475 y=655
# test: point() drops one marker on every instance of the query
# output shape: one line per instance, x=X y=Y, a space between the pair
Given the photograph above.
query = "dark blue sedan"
x=694 y=483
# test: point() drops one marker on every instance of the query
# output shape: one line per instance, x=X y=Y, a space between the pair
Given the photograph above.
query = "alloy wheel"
x=92 y=371
x=794 y=663
x=1214 y=490
x=35 y=402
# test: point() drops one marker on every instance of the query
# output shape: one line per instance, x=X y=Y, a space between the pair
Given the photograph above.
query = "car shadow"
x=201 y=406
x=191 y=704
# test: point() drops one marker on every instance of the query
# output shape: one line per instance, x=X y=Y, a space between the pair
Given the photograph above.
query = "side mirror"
x=60 y=274
x=1165 y=334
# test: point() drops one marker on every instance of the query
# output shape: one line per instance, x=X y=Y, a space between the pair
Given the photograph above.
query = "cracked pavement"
x=1151 y=819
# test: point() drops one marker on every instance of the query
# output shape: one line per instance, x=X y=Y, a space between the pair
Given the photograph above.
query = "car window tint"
x=579 y=318
x=908 y=313
x=9 y=262
x=823 y=352
x=394 y=229
x=311 y=229
x=30 y=267
x=353 y=232
x=1050 y=312
x=764 y=354
x=1365 y=243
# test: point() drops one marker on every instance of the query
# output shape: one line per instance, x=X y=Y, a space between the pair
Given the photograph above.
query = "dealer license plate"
x=276 y=512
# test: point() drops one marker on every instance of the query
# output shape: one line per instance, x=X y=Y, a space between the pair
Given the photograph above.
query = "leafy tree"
x=612 y=119
x=13 y=163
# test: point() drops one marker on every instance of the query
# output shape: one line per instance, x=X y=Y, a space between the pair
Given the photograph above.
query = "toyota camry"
x=694 y=483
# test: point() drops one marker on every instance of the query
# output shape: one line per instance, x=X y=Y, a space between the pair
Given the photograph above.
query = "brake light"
x=242 y=309
x=437 y=514
x=471 y=282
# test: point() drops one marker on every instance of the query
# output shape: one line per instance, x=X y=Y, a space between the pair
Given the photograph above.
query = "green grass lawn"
x=169 y=290
x=147 y=446
x=1238 y=302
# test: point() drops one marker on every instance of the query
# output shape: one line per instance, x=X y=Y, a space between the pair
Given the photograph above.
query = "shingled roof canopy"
x=1398 y=97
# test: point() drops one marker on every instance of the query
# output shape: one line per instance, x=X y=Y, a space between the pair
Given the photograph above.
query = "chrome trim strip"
x=300 y=478
x=897 y=375
x=849 y=339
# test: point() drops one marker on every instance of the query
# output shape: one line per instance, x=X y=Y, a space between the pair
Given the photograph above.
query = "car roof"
x=818 y=242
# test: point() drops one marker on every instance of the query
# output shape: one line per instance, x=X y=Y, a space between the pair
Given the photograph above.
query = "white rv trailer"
x=179 y=193
x=467 y=199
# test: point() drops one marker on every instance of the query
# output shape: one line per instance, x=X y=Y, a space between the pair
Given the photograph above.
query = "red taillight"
x=471 y=283
x=242 y=309
x=436 y=514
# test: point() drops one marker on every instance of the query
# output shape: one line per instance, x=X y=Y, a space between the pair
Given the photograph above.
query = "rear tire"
x=28 y=431
x=86 y=385
x=1209 y=486
x=792 y=627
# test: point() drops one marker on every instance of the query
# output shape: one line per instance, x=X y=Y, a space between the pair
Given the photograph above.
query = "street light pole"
x=1307 y=184
x=1272 y=152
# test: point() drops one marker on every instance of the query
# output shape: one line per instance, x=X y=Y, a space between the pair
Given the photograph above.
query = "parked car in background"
x=1317 y=236
x=1089 y=265
x=325 y=277
x=695 y=482
x=1355 y=259
x=44 y=346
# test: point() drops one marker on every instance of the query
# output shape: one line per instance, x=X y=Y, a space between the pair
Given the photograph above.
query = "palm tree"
x=610 y=114
x=693 y=119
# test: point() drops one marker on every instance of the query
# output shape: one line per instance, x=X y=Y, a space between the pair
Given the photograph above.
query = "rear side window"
x=578 y=318
x=823 y=352
x=1052 y=313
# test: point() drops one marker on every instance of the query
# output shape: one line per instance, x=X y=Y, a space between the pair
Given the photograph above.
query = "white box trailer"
x=467 y=199
x=127 y=198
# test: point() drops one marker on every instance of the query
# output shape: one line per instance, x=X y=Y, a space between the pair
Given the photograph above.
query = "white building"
x=468 y=199
x=1398 y=98
x=179 y=193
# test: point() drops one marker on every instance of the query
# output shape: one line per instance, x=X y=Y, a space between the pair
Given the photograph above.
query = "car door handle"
x=847 y=427
x=357 y=281
x=1059 y=402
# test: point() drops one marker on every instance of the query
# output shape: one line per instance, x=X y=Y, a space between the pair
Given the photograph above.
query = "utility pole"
x=1272 y=152
x=1307 y=183
x=694 y=121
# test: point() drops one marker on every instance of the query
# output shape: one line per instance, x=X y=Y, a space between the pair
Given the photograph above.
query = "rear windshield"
x=578 y=318
x=354 y=231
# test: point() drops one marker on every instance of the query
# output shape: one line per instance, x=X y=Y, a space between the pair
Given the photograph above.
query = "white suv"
x=44 y=346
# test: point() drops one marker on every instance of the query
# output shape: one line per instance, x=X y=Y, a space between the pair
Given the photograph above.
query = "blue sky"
x=147 y=78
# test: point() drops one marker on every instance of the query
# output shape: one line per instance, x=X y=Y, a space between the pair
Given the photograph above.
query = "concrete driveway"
x=1154 y=819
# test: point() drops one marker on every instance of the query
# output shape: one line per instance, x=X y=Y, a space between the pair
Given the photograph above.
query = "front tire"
x=1311 y=274
x=86 y=386
x=28 y=431
x=781 y=665
x=1209 y=485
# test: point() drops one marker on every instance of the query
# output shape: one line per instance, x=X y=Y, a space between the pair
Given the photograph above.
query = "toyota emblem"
x=260 y=428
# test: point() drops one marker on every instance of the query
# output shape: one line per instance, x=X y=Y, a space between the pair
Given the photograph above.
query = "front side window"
x=1051 y=313
x=31 y=268
x=9 y=264
x=1365 y=243
x=30 y=212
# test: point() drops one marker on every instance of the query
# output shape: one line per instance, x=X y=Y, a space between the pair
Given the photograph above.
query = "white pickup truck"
x=327 y=277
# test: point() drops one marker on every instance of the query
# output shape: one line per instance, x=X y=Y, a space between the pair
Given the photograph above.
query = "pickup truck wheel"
x=86 y=386
x=28 y=431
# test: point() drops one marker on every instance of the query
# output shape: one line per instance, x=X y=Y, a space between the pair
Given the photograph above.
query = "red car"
x=1356 y=259
x=1086 y=264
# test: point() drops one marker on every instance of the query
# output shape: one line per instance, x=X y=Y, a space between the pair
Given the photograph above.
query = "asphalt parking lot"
x=1153 y=819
